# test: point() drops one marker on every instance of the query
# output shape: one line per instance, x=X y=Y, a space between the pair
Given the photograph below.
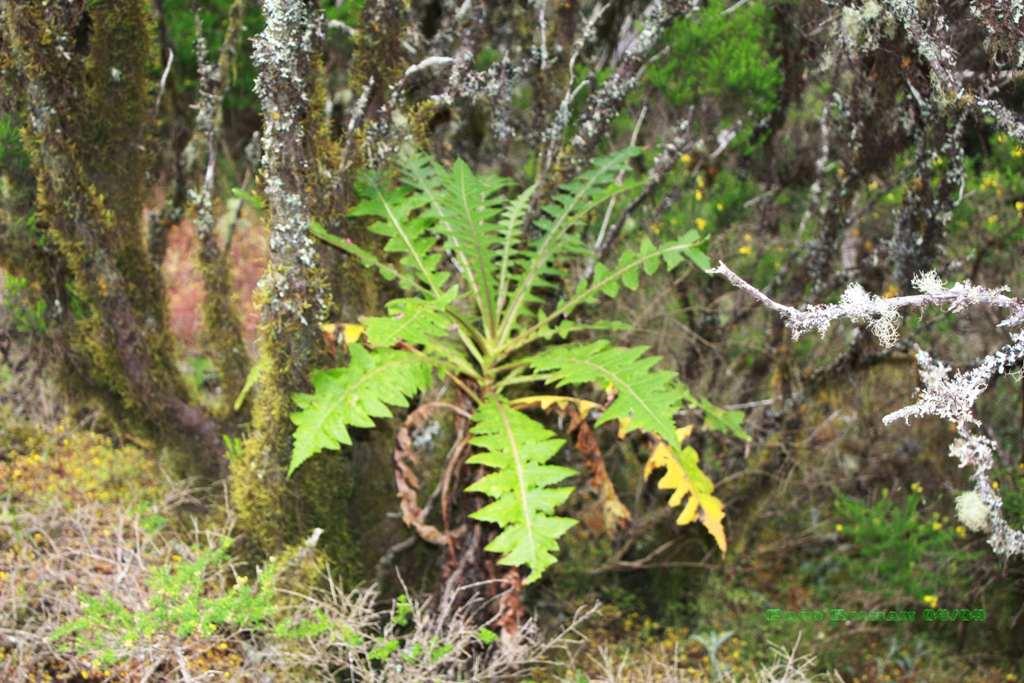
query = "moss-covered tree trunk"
x=293 y=294
x=84 y=83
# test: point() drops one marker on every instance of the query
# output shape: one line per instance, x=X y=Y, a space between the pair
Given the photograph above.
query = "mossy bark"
x=85 y=72
x=293 y=296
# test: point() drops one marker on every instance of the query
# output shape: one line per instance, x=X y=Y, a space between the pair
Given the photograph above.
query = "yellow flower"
x=890 y=291
x=700 y=223
x=698 y=195
x=1019 y=205
x=961 y=531
x=746 y=250
x=175 y=558
x=700 y=181
x=992 y=218
x=1017 y=152
x=936 y=526
x=873 y=185
x=931 y=600
x=686 y=159
x=721 y=207
x=916 y=487
x=839 y=528
x=995 y=485
x=1011 y=677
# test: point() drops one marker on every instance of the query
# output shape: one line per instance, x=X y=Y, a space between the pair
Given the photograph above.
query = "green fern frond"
x=411 y=320
x=567 y=327
x=569 y=208
x=518 y=449
x=464 y=207
x=608 y=281
x=646 y=398
x=425 y=323
x=626 y=272
x=408 y=229
x=511 y=260
x=352 y=396
x=722 y=420
x=369 y=260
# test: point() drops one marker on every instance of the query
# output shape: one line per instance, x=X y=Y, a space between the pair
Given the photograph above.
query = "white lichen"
x=944 y=393
x=971 y=511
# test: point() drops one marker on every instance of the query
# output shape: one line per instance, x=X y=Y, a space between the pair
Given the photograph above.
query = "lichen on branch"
x=950 y=396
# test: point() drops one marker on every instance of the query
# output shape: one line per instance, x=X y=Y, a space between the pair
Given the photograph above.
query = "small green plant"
x=179 y=604
x=499 y=329
x=896 y=550
x=28 y=312
x=722 y=55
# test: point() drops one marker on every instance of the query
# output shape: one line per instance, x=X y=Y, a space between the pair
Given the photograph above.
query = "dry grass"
x=51 y=557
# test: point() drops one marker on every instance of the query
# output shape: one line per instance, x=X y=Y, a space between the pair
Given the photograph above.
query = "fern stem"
x=451 y=371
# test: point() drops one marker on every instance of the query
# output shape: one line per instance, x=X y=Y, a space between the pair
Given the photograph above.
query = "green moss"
x=273 y=511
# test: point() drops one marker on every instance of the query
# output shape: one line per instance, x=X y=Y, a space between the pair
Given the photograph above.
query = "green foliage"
x=13 y=159
x=486 y=636
x=27 y=311
x=724 y=56
x=518 y=450
x=996 y=185
x=352 y=396
x=252 y=199
x=403 y=611
x=348 y=11
x=180 y=19
x=647 y=399
x=491 y=328
x=895 y=550
x=178 y=605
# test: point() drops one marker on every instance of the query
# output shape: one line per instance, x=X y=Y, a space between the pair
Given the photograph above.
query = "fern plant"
x=487 y=310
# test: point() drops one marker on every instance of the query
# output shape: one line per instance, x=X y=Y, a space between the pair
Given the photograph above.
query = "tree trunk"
x=293 y=294
x=83 y=70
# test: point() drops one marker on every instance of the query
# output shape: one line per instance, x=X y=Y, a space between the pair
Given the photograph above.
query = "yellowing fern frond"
x=687 y=482
x=545 y=401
